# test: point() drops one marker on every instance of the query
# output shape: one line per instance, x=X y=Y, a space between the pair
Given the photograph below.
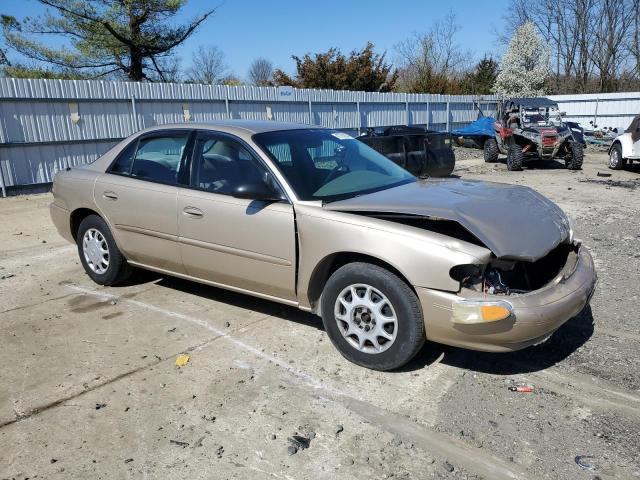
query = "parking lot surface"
x=90 y=386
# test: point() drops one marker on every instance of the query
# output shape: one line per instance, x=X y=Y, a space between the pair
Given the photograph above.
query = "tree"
x=525 y=65
x=261 y=72
x=208 y=65
x=361 y=70
x=103 y=37
x=480 y=80
x=432 y=62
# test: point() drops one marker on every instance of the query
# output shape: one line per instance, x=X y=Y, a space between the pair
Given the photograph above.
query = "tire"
x=390 y=298
x=491 y=150
x=104 y=268
x=616 y=162
x=514 y=157
x=577 y=156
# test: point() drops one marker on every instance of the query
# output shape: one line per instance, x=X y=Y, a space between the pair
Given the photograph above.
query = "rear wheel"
x=99 y=254
x=515 y=157
x=616 y=161
x=491 y=150
x=577 y=156
x=372 y=316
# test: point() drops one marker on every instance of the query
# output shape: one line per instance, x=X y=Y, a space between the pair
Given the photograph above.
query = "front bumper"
x=536 y=315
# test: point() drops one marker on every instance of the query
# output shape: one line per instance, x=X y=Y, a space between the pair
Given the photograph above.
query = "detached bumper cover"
x=536 y=315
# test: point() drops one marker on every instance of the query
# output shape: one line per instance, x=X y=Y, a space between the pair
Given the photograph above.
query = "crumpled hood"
x=514 y=222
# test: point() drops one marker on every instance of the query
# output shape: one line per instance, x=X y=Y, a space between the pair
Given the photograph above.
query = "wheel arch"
x=76 y=218
x=332 y=262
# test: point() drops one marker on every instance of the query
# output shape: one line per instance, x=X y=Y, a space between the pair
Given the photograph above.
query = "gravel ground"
x=90 y=388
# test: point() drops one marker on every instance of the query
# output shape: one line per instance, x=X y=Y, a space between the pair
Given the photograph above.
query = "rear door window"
x=158 y=158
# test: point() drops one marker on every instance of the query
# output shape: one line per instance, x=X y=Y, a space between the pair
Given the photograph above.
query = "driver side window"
x=158 y=158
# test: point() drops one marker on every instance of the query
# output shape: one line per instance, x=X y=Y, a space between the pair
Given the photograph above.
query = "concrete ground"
x=89 y=387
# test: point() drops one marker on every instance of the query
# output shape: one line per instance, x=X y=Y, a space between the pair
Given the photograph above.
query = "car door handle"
x=110 y=195
x=193 y=212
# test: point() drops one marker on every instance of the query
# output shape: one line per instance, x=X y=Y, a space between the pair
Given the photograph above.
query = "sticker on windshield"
x=342 y=136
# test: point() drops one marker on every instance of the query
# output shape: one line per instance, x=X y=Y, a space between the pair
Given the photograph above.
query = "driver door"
x=236 y=242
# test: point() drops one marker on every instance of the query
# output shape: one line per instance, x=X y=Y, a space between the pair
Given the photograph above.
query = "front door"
x=138 y=197
x=246 y=244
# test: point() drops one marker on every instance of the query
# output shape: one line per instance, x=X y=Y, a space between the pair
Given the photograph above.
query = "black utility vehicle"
x=533 y=129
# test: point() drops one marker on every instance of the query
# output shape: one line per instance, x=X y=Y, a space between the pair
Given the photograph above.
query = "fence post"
x=134 y=112
x=428 y=115
x=448 y=114
x=4 y=191
x=359 y=117
x=310 y=106
x=595 y=114
x=408 y=119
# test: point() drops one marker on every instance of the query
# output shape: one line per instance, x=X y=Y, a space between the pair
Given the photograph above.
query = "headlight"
x=478 y=311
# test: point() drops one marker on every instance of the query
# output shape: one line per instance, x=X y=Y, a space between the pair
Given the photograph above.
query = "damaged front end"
x=509 y=277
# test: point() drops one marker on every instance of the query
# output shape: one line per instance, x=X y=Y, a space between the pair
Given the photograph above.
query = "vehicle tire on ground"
x=491 y=150
x=616 y=162
x=577 y=156
x=372 y=316
x=515 y=157
x=99 y=254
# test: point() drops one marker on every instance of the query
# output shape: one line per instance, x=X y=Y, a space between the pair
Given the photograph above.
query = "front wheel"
x=490 y=150
x=515 y=157
x=577 y=156
x=99 y=254
x=372 y=316
x=616 y=162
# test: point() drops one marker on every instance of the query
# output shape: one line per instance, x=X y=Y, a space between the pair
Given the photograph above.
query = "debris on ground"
x=448 y=467
x=171 y=330
x=299 y=442
x=100 y=405
x=7 y=275
x=291 y=450
x=178 y=443
x=339 y=429
x=227 y=324
x=182 y=360
x=521 y=389
x=220 y=451
x=128 y=460
x=582 y=463
x=602 y=174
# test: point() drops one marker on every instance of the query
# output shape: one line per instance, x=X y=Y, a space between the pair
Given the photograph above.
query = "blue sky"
x=277 y=29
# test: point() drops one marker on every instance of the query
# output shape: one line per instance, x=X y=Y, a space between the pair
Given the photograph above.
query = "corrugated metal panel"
x=38 y=114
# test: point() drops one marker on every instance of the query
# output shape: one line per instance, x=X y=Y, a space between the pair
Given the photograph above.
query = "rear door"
x=138 y=197
x=246 y=244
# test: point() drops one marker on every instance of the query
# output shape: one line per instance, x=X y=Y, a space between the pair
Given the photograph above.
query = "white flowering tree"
x=525 y=65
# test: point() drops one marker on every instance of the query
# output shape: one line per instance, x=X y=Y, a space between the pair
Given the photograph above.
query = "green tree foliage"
x=480 y=80
x=130 y=38
x=361 y=70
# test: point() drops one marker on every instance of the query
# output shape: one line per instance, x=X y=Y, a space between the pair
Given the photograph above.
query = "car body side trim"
x=253 y=293
x=235 y=251
x=144 y=231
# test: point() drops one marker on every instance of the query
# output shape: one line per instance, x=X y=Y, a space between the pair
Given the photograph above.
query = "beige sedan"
x=314 y=218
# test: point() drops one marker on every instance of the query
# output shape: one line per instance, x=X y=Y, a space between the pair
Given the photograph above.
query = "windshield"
x=328 y=165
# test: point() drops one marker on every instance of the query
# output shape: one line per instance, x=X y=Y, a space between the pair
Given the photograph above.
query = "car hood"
x=514 y=222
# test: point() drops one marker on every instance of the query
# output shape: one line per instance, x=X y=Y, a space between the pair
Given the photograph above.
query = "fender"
x=626 y=145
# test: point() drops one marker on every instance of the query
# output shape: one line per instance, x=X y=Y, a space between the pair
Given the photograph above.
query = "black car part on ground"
x=422 y=152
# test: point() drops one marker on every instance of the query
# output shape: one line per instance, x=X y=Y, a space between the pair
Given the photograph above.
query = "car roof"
x=236 y=126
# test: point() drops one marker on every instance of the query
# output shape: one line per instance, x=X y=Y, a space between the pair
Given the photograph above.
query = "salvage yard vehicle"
x=533 y=129
x=313 y=218
x=626 y=147
x=422 y=152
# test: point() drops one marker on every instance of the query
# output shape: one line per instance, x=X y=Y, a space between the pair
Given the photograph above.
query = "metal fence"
x=47 y=125
x=601 y=110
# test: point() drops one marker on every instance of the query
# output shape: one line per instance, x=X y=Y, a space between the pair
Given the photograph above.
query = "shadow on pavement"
x=566 y=340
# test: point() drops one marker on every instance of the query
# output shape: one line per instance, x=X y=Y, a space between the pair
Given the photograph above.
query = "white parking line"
x=477 y=461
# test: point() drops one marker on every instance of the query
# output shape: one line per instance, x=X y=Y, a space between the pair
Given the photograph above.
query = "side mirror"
x=257 y=191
